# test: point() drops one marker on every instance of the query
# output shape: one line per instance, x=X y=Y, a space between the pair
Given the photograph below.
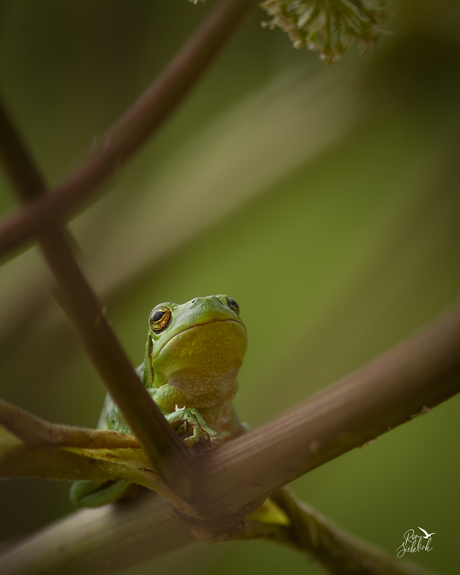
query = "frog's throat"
x=193 y=327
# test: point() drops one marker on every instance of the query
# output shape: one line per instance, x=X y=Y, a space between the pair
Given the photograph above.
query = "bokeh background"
x=324 y=200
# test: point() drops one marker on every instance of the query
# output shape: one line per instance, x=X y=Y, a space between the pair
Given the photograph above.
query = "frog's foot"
x=97 y=493
x=194 y=423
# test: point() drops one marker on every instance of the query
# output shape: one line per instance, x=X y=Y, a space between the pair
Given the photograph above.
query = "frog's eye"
x=233 y=305
x=159 y=318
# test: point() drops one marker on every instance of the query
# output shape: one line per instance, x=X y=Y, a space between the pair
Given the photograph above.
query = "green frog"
x=192 y=357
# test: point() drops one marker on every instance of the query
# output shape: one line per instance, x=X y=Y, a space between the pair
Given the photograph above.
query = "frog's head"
x=197 y=347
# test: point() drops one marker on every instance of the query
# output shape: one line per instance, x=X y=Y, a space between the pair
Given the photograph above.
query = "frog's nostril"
x=193 y=300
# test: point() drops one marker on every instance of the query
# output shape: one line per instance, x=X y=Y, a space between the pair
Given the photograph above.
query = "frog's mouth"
x=195 y=326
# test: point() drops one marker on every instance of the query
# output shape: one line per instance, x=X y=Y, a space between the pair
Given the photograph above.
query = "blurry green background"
x=324 y=200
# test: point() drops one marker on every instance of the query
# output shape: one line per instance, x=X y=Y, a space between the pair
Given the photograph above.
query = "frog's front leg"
x=195 y=423
x=173 y=406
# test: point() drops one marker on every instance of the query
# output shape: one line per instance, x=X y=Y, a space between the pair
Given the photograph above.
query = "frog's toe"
x=196 y=430
x=213 y=437
x=191 y=440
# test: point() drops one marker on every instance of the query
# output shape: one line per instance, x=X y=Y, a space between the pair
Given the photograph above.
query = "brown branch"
x=166 y=452
x=100 y=541
x=404 y=382
x=115 y=537
x=133 y=129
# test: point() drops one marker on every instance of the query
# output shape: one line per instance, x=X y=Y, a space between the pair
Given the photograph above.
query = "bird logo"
x=427 y=535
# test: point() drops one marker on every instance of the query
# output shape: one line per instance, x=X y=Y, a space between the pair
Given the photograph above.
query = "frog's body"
x=192 y=357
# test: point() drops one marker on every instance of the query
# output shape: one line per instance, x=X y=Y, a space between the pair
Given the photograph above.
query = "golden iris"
x=159 y=318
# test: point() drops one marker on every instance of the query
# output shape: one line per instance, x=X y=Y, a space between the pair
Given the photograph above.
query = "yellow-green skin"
x=190 y=369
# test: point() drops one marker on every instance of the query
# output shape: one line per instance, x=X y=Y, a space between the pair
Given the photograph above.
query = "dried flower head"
x=328 y=25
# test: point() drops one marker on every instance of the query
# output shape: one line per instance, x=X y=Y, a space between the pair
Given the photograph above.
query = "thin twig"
x=166 y=452
x=133 y=129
